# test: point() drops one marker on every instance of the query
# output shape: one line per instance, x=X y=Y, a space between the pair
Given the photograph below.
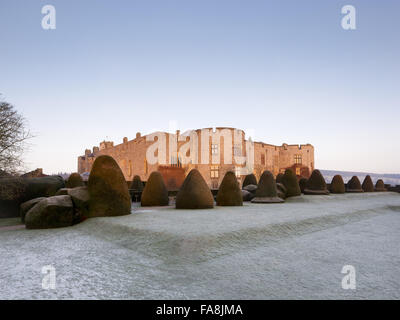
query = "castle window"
x=263 y=160
x=214 y=149
x=297 y=159
x=298 y=171
x=237 y=172
x=237 y=150
x=214 y=171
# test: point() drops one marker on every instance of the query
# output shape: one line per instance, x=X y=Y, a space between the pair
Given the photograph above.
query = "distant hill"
x=392 y=179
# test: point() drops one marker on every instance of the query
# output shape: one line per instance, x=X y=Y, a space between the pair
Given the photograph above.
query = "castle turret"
x=106 y=145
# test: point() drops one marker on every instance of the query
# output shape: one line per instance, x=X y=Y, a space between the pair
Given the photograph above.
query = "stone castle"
x=212 y=152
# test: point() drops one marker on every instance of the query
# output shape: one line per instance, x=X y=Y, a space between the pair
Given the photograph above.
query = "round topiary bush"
x=266 y=191
x=107 y=188
x=52 y=212
x=194 y=193
x=229 y=193
x=249 y=179
x=43 y=186
x=367 y=184
x=354 y=185
x=74 y=180
x=316 y=184
x=155 y=192
x=279 y=178
x=251 y=188
x=289 y=180
x=137 y=184
x=247 y=195
x=380 y=186
x=303 y=184
x=337 y=184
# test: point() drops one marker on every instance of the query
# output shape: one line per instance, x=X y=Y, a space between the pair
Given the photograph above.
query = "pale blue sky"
x=285 y=69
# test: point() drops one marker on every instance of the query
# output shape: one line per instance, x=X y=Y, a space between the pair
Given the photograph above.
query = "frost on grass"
x=294 y=250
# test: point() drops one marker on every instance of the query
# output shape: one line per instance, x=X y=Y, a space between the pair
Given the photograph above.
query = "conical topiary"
x=291 y=184
x=280 y=188
x=194 y=193
x=249 y=179
x=74 y=180
x=108 y=190
x=354 y=185
x=229 y=193
x=316 y=184
x=337 y=184
x=303 y=184
x=155 y=192
x=380 y=186
x=279 y=178
x=266 y=191
x=367 y=184
x=137 y=184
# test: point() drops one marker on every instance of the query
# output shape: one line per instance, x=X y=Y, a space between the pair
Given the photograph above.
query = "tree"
x=13 y=136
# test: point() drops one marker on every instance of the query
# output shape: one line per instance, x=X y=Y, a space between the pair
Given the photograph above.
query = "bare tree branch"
x=13 y=136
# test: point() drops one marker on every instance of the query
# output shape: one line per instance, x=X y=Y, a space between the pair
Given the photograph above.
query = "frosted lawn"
x=259 y=251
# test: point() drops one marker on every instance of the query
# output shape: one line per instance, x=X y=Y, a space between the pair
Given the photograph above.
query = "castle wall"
x=131 y=156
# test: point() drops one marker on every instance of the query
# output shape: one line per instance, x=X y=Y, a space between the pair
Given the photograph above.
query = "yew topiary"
x=289 y=180
x=247 y=195
x=16 y=190
x=316 y=184
x=12 y=194
x=43 y=186
x=380 y=186
x=279 y=178
x=266 y=191
x=137 y=184
x=250 y=188
x=354 y=185
x=229 y=193
x=281 y=190
x=303 y=184
x=107 y=188
x=26 y=206
x=194 y=193
x=249 y=179
x=52 y=212
x=367 y=184
x=337 y=184
x=155 y=192
x=74 y=180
